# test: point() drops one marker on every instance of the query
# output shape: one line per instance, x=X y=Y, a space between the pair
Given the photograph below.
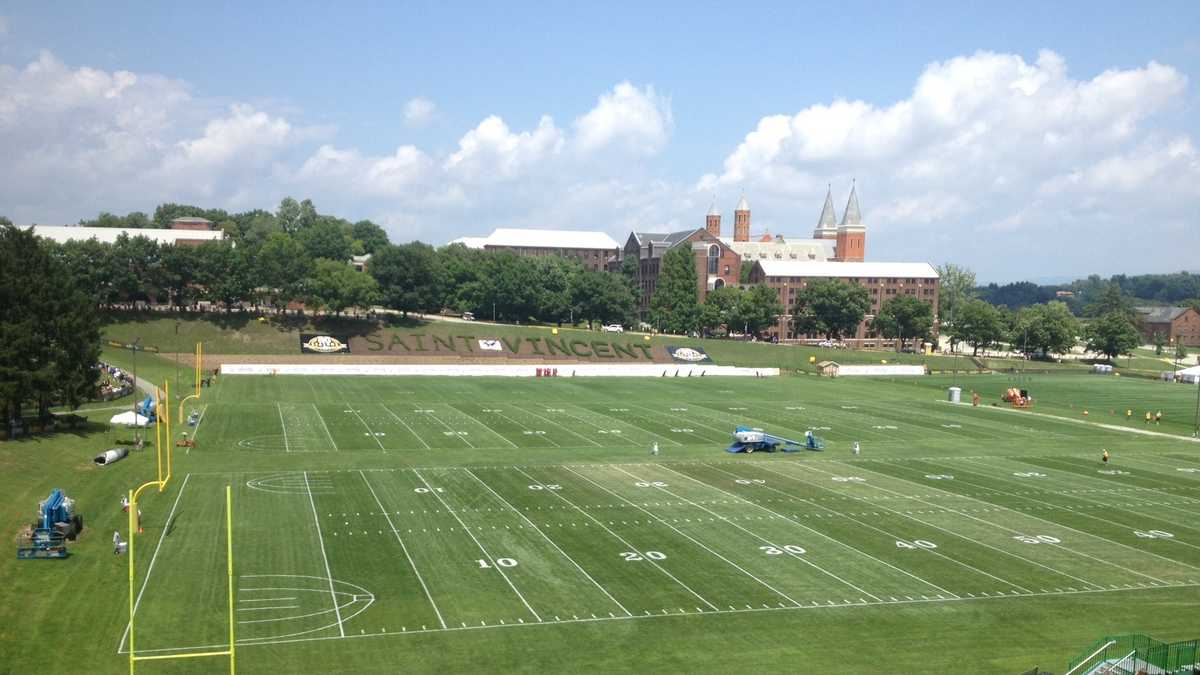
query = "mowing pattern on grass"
x=955 y=505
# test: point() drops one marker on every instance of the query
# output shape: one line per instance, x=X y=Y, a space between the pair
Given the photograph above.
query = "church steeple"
x=712 y=222
x=851 y=237
x=852 y=215
x=741 y=220
x=827 y=223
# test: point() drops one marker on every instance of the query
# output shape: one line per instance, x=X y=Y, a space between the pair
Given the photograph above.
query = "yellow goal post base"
x=231 y=652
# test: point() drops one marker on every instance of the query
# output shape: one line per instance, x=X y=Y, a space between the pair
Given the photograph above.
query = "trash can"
x=955 y=394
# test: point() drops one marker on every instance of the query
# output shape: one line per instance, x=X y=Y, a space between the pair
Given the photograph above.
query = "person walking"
x=1157 y=418
x=856 y=449
x=654 y=449
x=117 y=542
x=1104 y=456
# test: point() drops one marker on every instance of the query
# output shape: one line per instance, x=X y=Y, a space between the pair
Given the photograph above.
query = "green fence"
x=1145 y=652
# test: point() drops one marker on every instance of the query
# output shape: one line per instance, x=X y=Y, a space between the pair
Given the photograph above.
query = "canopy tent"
x=130 y=419
x=1190 y=375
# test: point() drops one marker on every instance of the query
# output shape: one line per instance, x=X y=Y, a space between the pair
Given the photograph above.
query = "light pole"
x=136 y=430
x=493 y=312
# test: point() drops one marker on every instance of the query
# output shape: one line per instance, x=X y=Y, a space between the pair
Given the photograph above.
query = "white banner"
x=879 y=370
x=499 y=370
x=491 y=345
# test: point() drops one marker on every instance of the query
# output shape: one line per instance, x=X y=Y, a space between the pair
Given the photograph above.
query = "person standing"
x=117 y=542
x=856 y=448
x=654 y=449
x=1157 y=417
x=1104 y=456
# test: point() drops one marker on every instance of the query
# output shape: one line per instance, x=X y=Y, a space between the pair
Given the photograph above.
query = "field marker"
x=153 y=557
x=619 y=537
x=621 y=422
x=322 y=419
x=461 y=437
x=566 y=429
x=405 y=549
x=410 y=429
x=321 y=540
x=551 y=541
x=282 y=425
x=491 y=560
x=370 y=431
x=754 y=534
x=485 y=426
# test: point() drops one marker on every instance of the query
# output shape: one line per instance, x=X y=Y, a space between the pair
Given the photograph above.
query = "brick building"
x=592 y=249
x=1177 y=325
x=716 y=263
x=883 y=281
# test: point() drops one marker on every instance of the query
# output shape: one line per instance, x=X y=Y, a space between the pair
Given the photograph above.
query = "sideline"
x=1110 y=427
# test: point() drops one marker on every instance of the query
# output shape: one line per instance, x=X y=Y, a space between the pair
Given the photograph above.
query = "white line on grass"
x=1110 y=427
x=560 y=426
x=146 y=579
x=471 y=534
x=396 y=532
x=926 y=523
x=282 y=425
x=321 y=541
x=323 y=425
x=464 y=439
x=203 y=412
x=620 y=538
x=620 y=421
x=370 y=431
x=551 y=541
x=485 y=426
x=410 y=429
x=1028 y=515
x=877 y=529
x=695 y=541
x=755 y=534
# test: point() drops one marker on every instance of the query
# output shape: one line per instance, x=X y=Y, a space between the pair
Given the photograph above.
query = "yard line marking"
x=366 y=426
x=618 y=421
x=689 y=419
x=739 y=568
x=188 y=449
x=282 y=425
x=754 y=534
x=259 y=609
x=321 y=540
x=560 y=426
x=547 y=538
x=618 y=537
x=884 y=562
x=909 y=601
x=485 y=426
x=264 y=599
x=461 y=438
x=947 y=531
x=146 y=579
x=322 y=420
x=1109 y=427
x=471 y=534
x=1029 y=515
x=410 y=429
x=405 y=549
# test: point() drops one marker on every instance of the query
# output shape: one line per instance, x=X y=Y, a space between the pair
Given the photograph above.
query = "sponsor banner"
x=688 y=355
x=505 y=370
x=324 y=344
x=125 y=345
x=844 y=370
x=491 y=345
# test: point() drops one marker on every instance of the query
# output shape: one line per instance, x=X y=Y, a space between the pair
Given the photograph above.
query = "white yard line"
x=282 y=425
x=551 y=542
x=203 y=412
x=560 y=426
x=146 y=579
x=370 y=431
x=410 y=429
x=321 y=540
x=871 y=527
x=403 y=547
x=688 y=418
x=1028 y=515
x=621 y=422
x=323 y=425
x=464 y=439
x=1110 y=427
x=259 y=609
x=621 y=539
x=695 y=541
x=265 y=600
x=485 y=426
x=471 y=534
x=937 y=527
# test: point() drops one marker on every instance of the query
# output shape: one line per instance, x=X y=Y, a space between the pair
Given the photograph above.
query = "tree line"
x=1082 y=295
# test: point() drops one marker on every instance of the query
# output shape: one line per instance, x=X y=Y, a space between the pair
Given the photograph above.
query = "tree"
x=1048 y=328
x=674 y=306
x=326 y=239
x=1159 y=343
x=602 y=297
x=409 y=276
x=288 y=215
x=226 y=273
x=178 y=274
x=371 y=235
x=956 y=286
x=978 y=323
x=1111 y=300
x=830 y=307
x=49 y=328
x=1112 y=334
x=759 y=308
x=904 y=317
x=720 y=308
x=1181 y=351
x=337 y=286
x=282 y=268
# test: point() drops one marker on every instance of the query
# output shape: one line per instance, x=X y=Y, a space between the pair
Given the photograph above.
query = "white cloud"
x=419 y=111
x=491 y=150
x=639 y=120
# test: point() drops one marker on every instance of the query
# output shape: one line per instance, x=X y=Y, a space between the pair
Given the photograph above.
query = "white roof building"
x=109 y=235
x=528 y=238
x=843 y=270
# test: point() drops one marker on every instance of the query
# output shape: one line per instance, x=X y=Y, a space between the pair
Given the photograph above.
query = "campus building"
x=109 y=235
x=883 y=281
x=716 y=263
x=592 y=249
x=1176 y=325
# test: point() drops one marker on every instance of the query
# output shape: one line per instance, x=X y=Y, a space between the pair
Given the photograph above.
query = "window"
x=714 y=259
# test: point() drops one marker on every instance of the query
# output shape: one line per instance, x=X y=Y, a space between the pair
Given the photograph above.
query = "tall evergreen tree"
x=674 y=306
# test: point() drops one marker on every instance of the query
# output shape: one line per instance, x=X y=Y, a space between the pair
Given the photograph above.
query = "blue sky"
x=629 y=115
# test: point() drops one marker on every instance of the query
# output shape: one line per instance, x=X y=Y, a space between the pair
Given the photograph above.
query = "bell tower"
x=851 y=243
x=712 y=222
x=741 y=220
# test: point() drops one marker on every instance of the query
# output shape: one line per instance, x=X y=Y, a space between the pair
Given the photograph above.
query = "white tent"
x=1190 y=375
x=130 y=419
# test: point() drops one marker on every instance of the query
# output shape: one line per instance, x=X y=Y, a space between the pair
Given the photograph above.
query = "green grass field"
x=521 y=525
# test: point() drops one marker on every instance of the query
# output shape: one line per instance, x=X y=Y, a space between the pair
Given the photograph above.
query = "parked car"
x=613 y=328
x=468 y=316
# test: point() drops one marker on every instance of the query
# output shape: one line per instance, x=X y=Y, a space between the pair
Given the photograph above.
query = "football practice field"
x=499 y=525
